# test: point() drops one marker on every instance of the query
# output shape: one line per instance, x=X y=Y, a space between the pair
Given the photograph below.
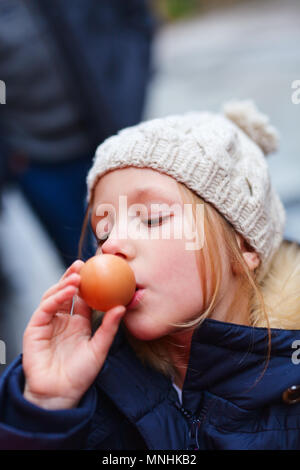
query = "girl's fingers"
x=74 y=268
x=50 y=306
x=103 y=337
x=73 y=279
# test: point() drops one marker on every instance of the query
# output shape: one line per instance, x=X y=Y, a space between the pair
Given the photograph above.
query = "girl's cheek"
x=167 y=260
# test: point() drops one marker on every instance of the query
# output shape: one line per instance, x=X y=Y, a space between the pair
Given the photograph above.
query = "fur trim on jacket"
x=281 y=290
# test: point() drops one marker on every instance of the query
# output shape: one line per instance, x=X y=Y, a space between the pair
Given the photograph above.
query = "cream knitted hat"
x=221 y=157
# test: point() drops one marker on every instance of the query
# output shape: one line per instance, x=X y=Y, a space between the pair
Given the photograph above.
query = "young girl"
x=206 y=356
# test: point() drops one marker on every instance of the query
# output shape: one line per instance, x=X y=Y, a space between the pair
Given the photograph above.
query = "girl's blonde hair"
x=219 y=234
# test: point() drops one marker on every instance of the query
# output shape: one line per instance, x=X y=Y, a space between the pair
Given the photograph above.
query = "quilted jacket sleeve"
x=24 y=425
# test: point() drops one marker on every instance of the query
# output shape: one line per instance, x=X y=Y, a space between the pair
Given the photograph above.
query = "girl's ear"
x=250 y=256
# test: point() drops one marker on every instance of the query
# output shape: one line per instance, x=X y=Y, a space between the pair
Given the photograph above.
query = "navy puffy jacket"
x=227 y=402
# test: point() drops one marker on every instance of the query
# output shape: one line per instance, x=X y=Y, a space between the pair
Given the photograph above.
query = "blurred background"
x=194 y=55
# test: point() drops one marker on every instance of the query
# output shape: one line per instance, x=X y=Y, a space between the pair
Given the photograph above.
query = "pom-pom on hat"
x=221 y=157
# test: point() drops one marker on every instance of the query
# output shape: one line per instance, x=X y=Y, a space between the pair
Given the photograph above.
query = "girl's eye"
x=157 y=221
x=102 y=240
x=149 y=222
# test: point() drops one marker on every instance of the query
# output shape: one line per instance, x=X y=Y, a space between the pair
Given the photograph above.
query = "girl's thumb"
x=104 y=335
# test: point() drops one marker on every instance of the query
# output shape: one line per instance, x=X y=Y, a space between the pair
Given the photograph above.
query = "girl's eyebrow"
x=142 y=193
x=145 y=192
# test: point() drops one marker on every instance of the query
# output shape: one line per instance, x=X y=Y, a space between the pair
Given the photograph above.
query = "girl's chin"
x=142 y=329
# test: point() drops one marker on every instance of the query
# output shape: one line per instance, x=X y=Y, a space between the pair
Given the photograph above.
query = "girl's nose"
x=118 y=247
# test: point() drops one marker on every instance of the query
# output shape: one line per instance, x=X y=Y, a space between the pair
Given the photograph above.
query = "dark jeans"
x=56 y=193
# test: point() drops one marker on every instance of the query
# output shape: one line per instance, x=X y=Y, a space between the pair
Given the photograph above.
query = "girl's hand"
x=60 y=358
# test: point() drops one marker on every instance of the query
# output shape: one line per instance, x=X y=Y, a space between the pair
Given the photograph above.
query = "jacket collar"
x=229 y=360
x=226 y=359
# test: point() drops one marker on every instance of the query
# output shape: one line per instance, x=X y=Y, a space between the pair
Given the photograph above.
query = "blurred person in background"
x=75 y=72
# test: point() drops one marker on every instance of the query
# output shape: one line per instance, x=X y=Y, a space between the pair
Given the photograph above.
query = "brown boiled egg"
x=106 y=281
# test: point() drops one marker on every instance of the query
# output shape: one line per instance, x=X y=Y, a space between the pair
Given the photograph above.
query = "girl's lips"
x=139 y=293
